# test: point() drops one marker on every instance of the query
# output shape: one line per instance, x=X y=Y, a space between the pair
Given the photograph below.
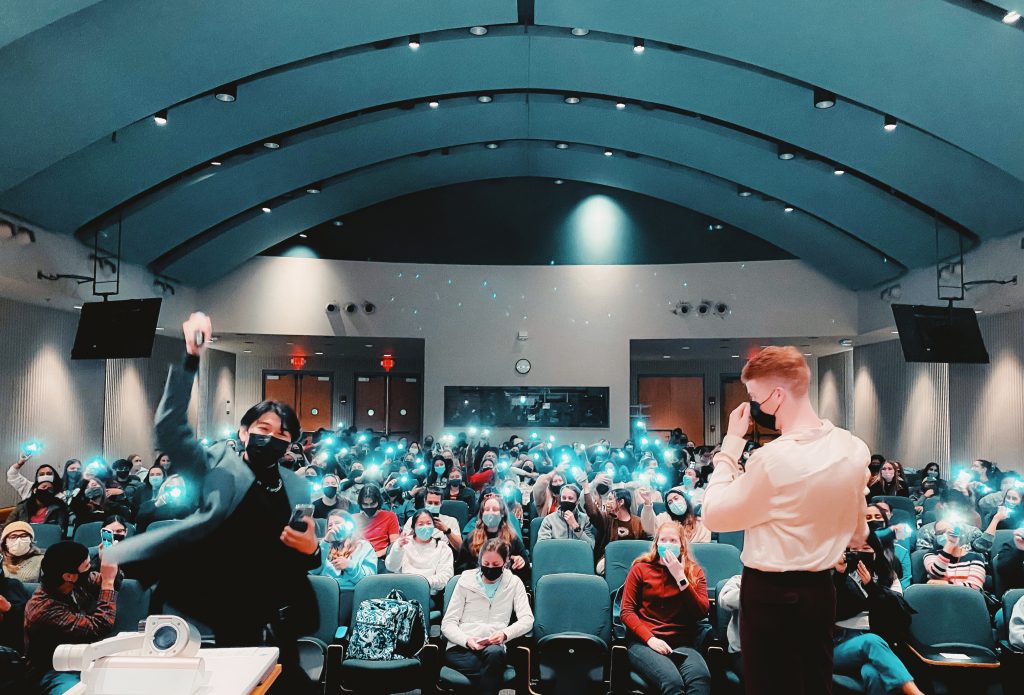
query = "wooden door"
x=674 y=401
x=315 y=397
x=281 y=387
x=370 y=402
x=404 y=405
x=734 y=393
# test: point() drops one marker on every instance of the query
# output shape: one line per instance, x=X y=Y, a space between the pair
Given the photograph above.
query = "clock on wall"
x=523 y=366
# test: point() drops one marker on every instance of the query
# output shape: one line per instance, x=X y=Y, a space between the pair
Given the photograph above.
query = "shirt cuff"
x=191 y=363
x=732 y=446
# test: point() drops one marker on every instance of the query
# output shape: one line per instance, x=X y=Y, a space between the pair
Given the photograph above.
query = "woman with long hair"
x=890 y=481
x=422 y=550
x=679 y=507
x=492 y=522
x=664 y=598
x=345 y=556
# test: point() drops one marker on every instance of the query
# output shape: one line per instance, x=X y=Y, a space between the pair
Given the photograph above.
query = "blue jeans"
x=867 y=656
x=57 y=682
x=682 y=673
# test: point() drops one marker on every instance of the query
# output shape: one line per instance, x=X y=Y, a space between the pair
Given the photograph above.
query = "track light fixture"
x=272 y=145
x=580 y=31
x=788 y=208
x=838 y=170
x=1011 y=17
x=227 y=93
x=492 y=145
x=786 y=152
x=889 y=123
x=485 y=98
x=744 y=192
x=572 y=99
x=638 y=46
x=478 y=31
x=823 y=99
x=433 y=104
x=160 y=117
x=414 y=41
x=562 y=145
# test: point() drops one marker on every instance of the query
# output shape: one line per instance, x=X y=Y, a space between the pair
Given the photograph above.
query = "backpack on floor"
x=387 y=629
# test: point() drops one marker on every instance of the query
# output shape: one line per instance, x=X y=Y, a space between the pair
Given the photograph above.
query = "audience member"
x=173 y=501
x=42 y=506
x=378 y=526
x=345 y=555
x=493 y=522
x=889 y=482
x=954 y=562
x=878 y=518
x=456 y=490
x=988 y=503
x=678 y=508
x=423 y=550
x=1016 y=626
x=729 y=598
x=570 y=521
x=1007 y=514
x=987 y=474
x=447 y=525
x=22 y=559
x=21 y=484
x=611 y=519
x=329 y=499
x=547 y=492
x=13 y=598
x=1009 y=563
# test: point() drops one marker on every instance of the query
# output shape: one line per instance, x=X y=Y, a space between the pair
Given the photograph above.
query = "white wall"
x=579 y=318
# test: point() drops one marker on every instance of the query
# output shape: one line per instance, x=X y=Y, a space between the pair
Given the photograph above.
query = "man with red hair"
x=800 y=500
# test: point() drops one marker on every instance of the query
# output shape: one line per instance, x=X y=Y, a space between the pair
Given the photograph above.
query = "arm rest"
x=976 y=656
x=332 y=669
x=523 y=662
x=618 y=678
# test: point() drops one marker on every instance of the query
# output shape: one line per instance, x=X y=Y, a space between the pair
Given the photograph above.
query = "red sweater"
x=654 y=606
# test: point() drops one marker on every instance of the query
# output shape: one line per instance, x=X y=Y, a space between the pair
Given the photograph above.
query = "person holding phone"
x=800 y=500
x=663 y=599
x=242 y=525
x=347 y=557
x=423 y=550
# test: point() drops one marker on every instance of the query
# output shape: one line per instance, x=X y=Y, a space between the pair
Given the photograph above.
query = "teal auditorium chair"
x=132 y=606
x=161 y=523
x=1002 y=538
x=343 y=674
x=517 y=675
x=733 y=538
x=313 y=648
x=1012 y=659
x=951 y=641
x=724 y=679
x=458 y=510
x=89 y=534
x=535 y=523
x=719 y=561
x=46 y=534
x=618 y=558
x=572 y=633
x=560 y=555
x=896 y=502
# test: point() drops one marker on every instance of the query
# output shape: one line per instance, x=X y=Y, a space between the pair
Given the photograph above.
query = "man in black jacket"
x=234 y=564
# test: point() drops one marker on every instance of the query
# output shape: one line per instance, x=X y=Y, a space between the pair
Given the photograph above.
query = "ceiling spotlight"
x=227 y=93
x=215 y=163
x=704 y=309
x=889 y=123
x=562 y=145
x=265 y=208
x=608 y=153
x=478 y=31
x=492 y=145
x=572 y=100
x=788 y=208
x=160 y=117
x=559 y=182
x=721 y=309
x=6 y=230
x=838 y=170
x=485 y=98
x=580 y=31
x=823 y=99
x=620 y=105
x=786 y=152
x=313 y=190
x=338 y=223
x=303 y=236
x=433 y=104
x=638 y=46
x=744 y=192
x=414 y=41
x=1011 y=17
x=272 y=145
x=683 y=309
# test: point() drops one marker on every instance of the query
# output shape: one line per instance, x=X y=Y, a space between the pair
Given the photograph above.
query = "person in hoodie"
x=477 y=624
x=569 y=521
x=679 y=508
x=423 y=550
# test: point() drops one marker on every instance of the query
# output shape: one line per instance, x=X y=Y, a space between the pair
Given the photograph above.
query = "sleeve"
x=79 y=627
x=444 y=570
x=632 y=599
x=729 y=596
x=393 y=561
x=908 y=575
x=1016 y=625
x=649 y=519
x=451 y=626
x=983 y=543
x=319 y=569
x=367 y=565
x=540 y=494
x=735 y=501
x=936 y=564
x=696 y=592
x=544 y=532
x=593 y=511
x=524 y=614
x=21 y=484
x=925 y=537
x=174 y=435
x=519 y=548
x=393 y=528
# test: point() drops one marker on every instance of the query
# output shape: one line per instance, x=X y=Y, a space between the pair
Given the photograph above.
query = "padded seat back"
x=89 y=534
x=328 y=598
x=618 y=558
x=561 y=555
x=571 y=602
x=132 y=606
x=918 y=575
x=718 y=560
x=535 y=523
x=949 y=615
x=733 y=538
x=457 y=509
x=46 y=534
x=896 y=502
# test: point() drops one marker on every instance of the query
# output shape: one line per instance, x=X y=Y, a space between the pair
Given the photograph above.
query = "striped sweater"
x=968 y=570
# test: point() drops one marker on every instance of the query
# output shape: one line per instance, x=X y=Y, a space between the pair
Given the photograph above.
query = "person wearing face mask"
x=478 y=481
x=347 y=556
x=800 y=501
x=155 y=477
x=378 y=526
x=43 y=506
x=329 y=499
x=71 y=477
x=678 y=508
x=931 y=485
x=478 y=622
x=353 y=484
x=493 y=521
x=610 y=517
x=13 y=597
x=989 y=503
x=953 y=562
x=874 y=468
x=663 y=600
x=91 y=503
x=954 y=509
x=173 y=500
x=456 y=489
x=21 y=558
x=447 y=526
x=422 y=550
x=1007 y=515
x=896 y=554
x=547 y=490
x=439 y=470
x=21 y=484
x=1008 y=565
x=72 y=605
x=889 y=482
x=570 y=521
x=246 y=502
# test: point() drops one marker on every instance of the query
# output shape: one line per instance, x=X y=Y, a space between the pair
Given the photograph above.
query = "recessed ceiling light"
x=608 y=153
x=215 y=163
x=485 y=98
x=368 y=345
x=492 y=145
x=312 y=190
x=78 y=306
x=1011 y=17
x=686 y=347
x=227 y=93
x=559 y=182
x=265 y=209
x=338 y=223
x=414 y=41
x=638 y=46
x=433 y=104
x=666 y=357
x=562 y=145
x=572 y=100
x=318 y=353
x=889 y=123
x=272 y=145
x=744 y=192
x=303 y=236
x=788 y=208
x=823 y=99
x=620 y=105
x=978 y=311
x=786 y=152
x=838 y=170
x=580 y=31
x=160 y=117
x=478 y=31
x=247 y=351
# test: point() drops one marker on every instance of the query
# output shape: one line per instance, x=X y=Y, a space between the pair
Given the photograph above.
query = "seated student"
x=70 y=478
x=492 y=521
x=21 y=484
x=611 y=519
x=951 y=561
x=679 y=508
x=1007 y=514
x=113 y=531
x=95 y=501
x=173 y=500
x=953 y=507
x=990 y=502
x=154 y=478
x=329 y=499
x=423 y=550
x=570 y=521
x=547 y=491
x=345 y=556
x=378 y=526
x=457 y=490
x=729 y=599
x=21 y=558
x=860 y=602
x=71 y=606
x=13 y=598
x=931 y=484
x=1016 y=625
x=514 y=522
x=42 y=506
x=664 y=598
x=477 y=623
x=693 y=487
x=447 y=525
x=878 y=518
x=889 y=482
x=1008 y=564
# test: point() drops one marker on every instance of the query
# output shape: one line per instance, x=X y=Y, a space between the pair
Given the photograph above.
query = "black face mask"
x=122 y=473
x=602 y=489
x=370 y=511
x=760 y=417
x=330 y=491
x=71 y=478
x=264 y=451
x=876 y=526
x=566 y=506
x=45 y=497
x=874 y=467
x=492 y=573
x=83 y=579
x=93 y=493
x=555 y=489
x=455 y=482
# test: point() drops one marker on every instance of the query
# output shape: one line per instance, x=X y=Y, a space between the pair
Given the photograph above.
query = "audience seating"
x=918 y=574
x=1012 y=659
x=535 y=523
x=724 y=679
x=457 y=509
x=160 y=524
x=929 y=503
x=572 y=632
x=313 y=648
x=46 y=534
x=719 y=561
x=618 y=558
x=89 y=534
x=132 y=606
x=896 y=502
x=929 y=517
x=733 y=538
x=399 y=676
x=321 y=527
x=557 y=555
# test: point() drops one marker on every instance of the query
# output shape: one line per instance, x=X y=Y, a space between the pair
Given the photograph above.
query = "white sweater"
x=471 y=614
x=431 y=560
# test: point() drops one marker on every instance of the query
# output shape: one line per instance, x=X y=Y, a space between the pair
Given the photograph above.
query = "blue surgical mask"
x=424 y=532
x=668 y=548
x=678 y=508
x=156 y=481
x=491 y=520
x=439 y=470
x=433 y=508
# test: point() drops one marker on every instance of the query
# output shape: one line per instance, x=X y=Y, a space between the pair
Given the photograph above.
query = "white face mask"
x=887 y=476
x=18 y=547
x=45 y=478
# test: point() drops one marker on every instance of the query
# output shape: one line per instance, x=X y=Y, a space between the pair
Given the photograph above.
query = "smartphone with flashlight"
x=298 y=521
x=106 y=537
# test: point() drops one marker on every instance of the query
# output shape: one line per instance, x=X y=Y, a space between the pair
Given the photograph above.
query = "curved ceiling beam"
x=842 y=258
x=22 y=18
x=960 y=186
x=119 y=62
x=940 y=67
x=897 y=230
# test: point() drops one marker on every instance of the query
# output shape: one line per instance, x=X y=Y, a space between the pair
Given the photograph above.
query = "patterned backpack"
x=388 y=629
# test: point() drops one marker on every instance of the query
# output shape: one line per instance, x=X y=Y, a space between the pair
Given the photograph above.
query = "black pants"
x=485 y=668
x=293 y=679
x=786 y=621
